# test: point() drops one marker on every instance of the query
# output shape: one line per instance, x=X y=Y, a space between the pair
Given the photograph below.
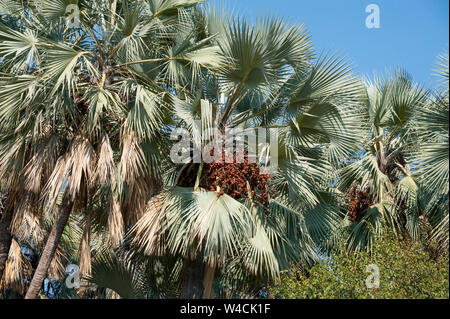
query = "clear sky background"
x=412 y=33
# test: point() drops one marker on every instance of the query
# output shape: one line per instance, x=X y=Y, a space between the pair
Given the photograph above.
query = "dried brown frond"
x=147 y=232
x=105 y=163
x=134 y=205
x=85 y=248
x=132 y=163
x=38 y=167
x=17 y=268
x=57 y=268
x=70 y=169
x=26 y=224
x=10 y=166
x=81 y=159
x=134 y=172
x=115 y=222
x=54 y=183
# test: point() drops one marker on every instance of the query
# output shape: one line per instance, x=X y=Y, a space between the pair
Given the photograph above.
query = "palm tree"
x=432 y=154
x=81 y=106
x=394 y=181
x=210 y=215
x=381 y=189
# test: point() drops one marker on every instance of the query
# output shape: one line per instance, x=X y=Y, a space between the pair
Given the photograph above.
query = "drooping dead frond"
x=70 y=169
x=134 y=205
x=54 y=183
x=115 y=222
x=57 y=266
x=133 y=171
x=85 y=249
x=17 y=268
x=81 y=158
x=26 y=224
x=39 y=165
x=11 y=164
x=105 y=163
x=132 y=163
x=147 y=233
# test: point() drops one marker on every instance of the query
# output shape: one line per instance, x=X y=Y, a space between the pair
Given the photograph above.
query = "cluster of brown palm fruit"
x=359 y=200
x=240 y=179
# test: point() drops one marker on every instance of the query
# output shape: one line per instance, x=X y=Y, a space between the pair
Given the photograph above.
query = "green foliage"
x=406 y=271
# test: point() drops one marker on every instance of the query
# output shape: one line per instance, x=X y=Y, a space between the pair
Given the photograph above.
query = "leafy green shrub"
x=405 y=271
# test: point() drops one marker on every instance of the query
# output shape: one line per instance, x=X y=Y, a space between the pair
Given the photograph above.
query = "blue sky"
x=412 y=33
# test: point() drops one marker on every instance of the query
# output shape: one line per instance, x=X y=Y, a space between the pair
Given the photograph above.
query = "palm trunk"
x=50 y=248
x=208 y=281
x=85 y=255
x=5 y=237
x=192 y=282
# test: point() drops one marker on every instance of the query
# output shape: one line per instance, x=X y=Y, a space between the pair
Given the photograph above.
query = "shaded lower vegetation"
x=406 y=271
